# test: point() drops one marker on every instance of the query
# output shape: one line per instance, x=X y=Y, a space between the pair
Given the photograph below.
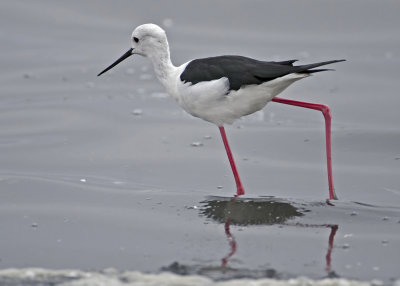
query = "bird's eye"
x=136 y=40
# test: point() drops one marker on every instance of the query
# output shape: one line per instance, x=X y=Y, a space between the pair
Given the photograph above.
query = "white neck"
x=163 y=66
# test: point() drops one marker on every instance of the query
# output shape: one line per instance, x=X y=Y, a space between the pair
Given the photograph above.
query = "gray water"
x=102 y=172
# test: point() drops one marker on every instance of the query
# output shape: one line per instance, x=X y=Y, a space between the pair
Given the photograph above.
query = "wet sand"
x=109 y=172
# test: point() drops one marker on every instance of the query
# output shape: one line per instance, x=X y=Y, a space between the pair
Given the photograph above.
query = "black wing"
x=243 y=71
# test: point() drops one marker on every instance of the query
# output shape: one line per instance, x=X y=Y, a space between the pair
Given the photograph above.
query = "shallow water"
x=109 y=172
x=67 y=223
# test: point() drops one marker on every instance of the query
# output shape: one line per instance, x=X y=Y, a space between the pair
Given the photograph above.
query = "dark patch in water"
x=249 y=211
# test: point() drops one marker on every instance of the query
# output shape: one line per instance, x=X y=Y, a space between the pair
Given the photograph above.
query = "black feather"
x=242 y=71
x=288 y=63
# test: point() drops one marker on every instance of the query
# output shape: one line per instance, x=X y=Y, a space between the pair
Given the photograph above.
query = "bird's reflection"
x=259 y=211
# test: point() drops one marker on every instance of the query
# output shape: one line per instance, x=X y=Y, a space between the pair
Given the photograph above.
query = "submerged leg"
x=240 y=189
x=327 y=115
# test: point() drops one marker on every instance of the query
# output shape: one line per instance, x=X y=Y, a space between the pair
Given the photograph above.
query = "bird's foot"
x=329 y=203
x=240 y=191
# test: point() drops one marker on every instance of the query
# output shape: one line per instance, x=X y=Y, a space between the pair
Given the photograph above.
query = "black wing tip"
x=330 y=62
x=334 y=61
x=310 y=68
x=318 y=70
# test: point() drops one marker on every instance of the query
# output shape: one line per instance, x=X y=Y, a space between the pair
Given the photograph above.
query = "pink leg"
x=240 y=189
x=327 y=115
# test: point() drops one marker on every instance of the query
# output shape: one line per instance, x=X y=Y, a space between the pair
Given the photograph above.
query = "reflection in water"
x=328 y=269
x=232 y=242
x=249 y=212
x=261 y=211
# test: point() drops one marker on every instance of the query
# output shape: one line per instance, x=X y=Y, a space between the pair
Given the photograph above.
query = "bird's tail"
x=309 y=68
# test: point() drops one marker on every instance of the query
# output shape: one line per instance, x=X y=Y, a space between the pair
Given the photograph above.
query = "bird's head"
x=148 y=40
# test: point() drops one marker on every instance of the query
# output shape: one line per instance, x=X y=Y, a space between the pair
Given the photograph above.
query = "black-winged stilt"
x=225 y=88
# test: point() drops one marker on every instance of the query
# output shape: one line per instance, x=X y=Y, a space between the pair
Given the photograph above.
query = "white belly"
x=212 y=102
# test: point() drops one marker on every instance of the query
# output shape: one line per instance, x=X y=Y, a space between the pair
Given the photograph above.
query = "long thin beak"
x=123 y=57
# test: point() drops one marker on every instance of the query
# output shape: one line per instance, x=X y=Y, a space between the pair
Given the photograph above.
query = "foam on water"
x=112 y=277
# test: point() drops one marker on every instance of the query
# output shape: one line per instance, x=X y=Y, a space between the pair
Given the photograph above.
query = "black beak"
x=123 y=57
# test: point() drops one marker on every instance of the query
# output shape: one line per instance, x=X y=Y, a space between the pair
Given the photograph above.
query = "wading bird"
x=224 y=88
